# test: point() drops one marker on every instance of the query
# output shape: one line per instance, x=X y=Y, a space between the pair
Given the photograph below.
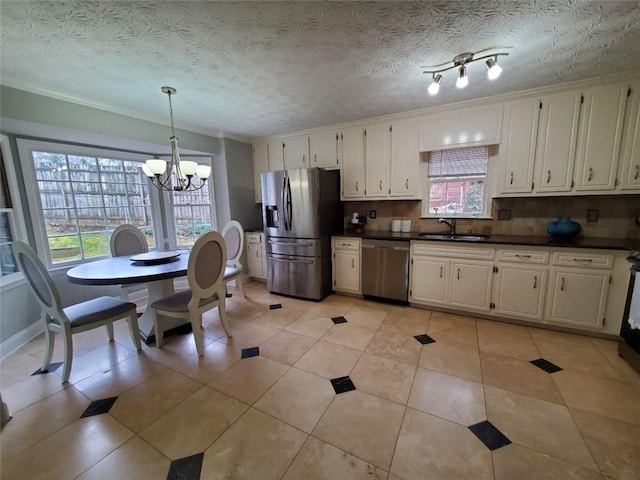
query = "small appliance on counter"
x=357 y=223
x=563 y=229
x=629 y=346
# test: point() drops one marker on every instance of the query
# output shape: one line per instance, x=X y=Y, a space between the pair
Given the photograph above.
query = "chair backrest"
x=233 y=234
x=127 y=240
x=39 y=279
x=206 y=265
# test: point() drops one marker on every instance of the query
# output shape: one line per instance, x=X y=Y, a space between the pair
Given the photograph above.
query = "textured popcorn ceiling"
x=260 y=68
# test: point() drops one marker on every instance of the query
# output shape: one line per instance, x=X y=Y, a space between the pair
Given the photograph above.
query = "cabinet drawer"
x=523 y=256
x=254 y=238
x=427 y=248
x=346 y=243
x=583 y=260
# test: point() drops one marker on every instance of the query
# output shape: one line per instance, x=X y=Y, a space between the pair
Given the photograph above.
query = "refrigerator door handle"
x=289 y=205
x=294 y=244
x=284 y=196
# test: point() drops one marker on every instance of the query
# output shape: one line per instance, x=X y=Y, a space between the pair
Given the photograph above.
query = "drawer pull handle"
x=535 y=282
x=458 y=274
x=637 y=175
x=257 y=255
x=511 y=179
x=353 y=263
x=380 y=185
x=522 y=255
x=356 y=186
x=440 y=272
x=584 y=260
x=562 y=284
x=590 y=174
x=548 y=176
x=303 y=159
x=406 y=182
x=315 y=157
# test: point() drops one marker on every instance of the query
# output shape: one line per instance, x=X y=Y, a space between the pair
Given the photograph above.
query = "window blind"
x=458 y=162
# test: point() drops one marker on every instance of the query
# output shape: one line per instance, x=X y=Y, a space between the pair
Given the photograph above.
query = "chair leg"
x=156 y=328
x=196 y=320
x=241 y=286
x=134 y=330
x=110 y=331
x=223 y=315
x=68 y=352
x=48 y=335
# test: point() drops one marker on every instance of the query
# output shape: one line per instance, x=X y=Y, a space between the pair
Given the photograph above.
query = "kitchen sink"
x=455 y=237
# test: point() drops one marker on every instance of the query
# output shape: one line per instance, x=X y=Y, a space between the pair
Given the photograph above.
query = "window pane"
x=7 y=261
x=192 y=213
x=84 y=198
x=456 y=196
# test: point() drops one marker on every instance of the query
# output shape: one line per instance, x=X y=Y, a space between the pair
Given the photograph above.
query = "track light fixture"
x=460 y=61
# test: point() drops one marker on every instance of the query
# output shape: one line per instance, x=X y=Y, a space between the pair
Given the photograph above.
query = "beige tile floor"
x=276 y=416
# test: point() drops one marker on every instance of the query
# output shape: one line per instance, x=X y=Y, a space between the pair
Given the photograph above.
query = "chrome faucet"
x=451 y=223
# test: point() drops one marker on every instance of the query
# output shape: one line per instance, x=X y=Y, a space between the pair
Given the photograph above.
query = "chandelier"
x=460 y=61
x=162 y=174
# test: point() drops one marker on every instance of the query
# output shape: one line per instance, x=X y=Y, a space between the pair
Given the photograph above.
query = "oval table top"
x=122 y=270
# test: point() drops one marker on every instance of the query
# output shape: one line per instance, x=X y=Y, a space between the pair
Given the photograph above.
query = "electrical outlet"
x=372 y=214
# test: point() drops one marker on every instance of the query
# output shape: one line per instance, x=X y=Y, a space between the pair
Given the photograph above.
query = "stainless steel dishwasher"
x=385 y=269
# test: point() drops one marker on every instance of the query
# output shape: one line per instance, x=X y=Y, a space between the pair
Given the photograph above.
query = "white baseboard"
x=19 y=339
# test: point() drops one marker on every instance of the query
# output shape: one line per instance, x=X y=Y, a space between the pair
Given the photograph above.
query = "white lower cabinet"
x=580 y=289
x=256 y=255
x=346 y=264
x=451 y=282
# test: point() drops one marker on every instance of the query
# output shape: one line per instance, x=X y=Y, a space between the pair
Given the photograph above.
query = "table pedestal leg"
x=158 y=290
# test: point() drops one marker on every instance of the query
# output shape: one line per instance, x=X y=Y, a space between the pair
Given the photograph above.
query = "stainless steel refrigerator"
x=301 y=209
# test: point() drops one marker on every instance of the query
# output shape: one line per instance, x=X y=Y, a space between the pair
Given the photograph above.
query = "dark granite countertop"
x=529 y=240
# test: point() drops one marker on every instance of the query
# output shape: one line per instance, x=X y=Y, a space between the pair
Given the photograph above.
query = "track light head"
x=462 y=80
x=434 y=88
x=493 y=69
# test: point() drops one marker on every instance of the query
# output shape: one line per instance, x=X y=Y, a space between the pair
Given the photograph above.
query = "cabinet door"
x=377 y=160
x=346 y=271
x=352 y=170
x=471 y=285
x=630 y=157
x=429 y=280
x=600 y=135
x=260 y=164
x=405 y=159
x=556 y=146
x=254 y=260
x=323 y=150
x=520 y=291
x=276 y=159
x=296 y=152
x=578 y=298
x=518 y=146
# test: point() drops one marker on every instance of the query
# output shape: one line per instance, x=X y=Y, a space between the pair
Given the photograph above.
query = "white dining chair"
x=66 y=321
x=206 y=289
x=127 y=240
x=233 y=234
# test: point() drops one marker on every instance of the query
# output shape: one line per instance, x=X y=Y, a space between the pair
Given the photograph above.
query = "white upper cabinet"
x=276 y=158
x=599 y=137
x=352 y=169
x=377 y=160
x=461 y=128
x=630 y=155
x=556 y=146
x=405 y=159
x=296 y=152
x=260 y=164
x=323 y=149
x=518 y=147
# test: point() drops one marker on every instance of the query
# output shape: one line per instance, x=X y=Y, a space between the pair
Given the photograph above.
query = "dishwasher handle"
x=402 y=249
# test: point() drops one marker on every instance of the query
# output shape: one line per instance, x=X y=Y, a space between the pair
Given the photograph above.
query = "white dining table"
x=158 y=276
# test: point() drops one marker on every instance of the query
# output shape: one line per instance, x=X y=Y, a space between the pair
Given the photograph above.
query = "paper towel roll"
x=406 y=225
x=396 y=224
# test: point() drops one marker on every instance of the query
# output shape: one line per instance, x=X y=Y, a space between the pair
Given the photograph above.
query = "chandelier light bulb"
x=157 y=167
x=147 y=171
x=462 y=80
x=434 y=88
x=493 y=69
x=203 y=171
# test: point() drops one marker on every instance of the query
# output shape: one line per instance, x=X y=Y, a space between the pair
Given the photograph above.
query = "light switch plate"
x=372 y=214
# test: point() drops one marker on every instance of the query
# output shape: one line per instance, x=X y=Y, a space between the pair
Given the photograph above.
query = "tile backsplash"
x=614 y=215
